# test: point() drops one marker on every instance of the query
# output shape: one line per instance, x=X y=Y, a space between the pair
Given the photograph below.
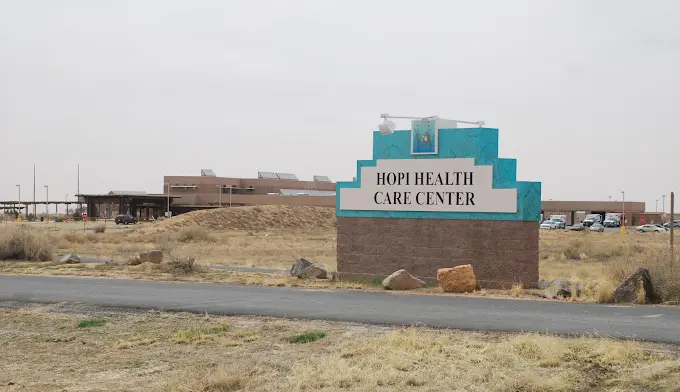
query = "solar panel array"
x=207 y=173
x=322 y=179
x=277 y=176
x=305 y=192
x=267 y=175
x=128 y=193
x=287 y=176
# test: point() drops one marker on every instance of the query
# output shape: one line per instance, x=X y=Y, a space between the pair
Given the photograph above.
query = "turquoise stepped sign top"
x=436 y=172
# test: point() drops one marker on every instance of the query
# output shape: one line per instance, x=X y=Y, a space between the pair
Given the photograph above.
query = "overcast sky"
x=582 y=91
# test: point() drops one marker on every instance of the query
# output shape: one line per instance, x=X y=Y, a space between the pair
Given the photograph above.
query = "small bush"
x=193 y=233
x=308 y=337
x=182 y=266
x=75 y=237
x=25 y=243
x=604 y=293
x=59 y=219
x=93 y=322
x=517 y=290
x=99 y=229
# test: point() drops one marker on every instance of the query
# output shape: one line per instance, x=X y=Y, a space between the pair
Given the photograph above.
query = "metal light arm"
x=386 y=116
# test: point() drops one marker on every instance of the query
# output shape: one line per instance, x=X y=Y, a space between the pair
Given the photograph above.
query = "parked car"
x=675 y=224
x=126 y=219
x=650 y=228
x=611 y=222
x=596 y=227
x=547 y=224
x=591 y=219
x=577 y=227
x=661 y=226
x=559 y=223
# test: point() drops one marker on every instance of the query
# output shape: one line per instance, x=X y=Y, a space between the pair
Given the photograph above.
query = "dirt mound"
x=252 y=218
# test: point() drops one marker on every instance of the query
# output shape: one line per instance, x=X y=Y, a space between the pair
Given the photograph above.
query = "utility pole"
x=672 y=226
x=80 y=205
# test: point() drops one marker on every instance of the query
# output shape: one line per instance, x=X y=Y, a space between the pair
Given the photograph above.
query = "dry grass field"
x=275 y=236
x=77 y=349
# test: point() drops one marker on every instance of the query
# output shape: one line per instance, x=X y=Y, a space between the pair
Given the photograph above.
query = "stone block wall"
x=502 y=253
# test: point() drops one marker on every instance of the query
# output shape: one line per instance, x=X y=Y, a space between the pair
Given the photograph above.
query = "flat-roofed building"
x=210 y=191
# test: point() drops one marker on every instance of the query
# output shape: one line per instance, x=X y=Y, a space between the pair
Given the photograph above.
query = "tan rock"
x=134 y=260
x=402 y=280
x=459 y=279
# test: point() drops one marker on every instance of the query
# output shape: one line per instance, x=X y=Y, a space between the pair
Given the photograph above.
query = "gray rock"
x=70 y=258
x=543 y=284
x=315 y=271
x=151 y=256
x=305 y=269
x=561 y=288
x=300 y=266
x=640 y=280
x=402 y=280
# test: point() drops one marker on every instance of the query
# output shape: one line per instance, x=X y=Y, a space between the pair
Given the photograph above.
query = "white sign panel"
x=445 y=185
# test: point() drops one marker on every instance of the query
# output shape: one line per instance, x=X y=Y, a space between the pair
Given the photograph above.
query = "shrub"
x=100 y=228
x=59 y=219
x=25 y=243
x=604 y=293
x=75 y=237
x=193 y=233
x=182 y=266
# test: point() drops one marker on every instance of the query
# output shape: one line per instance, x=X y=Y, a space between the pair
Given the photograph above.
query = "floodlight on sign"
x=387 y=127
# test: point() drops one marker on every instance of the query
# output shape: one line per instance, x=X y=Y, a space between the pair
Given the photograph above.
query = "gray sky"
x=582 y=91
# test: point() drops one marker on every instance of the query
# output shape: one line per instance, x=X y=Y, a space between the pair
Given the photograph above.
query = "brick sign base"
x=502 y=253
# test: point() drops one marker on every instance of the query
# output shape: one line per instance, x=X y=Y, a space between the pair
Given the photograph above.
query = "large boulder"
x=459 y=279
x=305 y=269
x=560 y=289
x=70 y=258
x=636 y=287
x=402 y=280
x=151 y=256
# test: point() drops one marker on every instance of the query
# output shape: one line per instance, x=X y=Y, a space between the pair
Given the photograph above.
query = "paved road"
x=660 y=324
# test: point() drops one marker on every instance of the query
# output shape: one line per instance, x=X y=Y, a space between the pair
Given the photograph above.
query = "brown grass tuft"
x=99 y=229
x=604 y=292
x=25 y=243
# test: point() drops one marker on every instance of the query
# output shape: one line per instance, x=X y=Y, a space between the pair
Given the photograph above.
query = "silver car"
x=596 y=227
x=650 y=228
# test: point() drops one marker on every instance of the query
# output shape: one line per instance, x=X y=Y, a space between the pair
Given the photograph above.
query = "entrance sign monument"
x=438 y=196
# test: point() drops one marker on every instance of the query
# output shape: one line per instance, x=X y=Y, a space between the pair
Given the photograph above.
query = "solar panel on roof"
x=267 y=175
x=287 y=176
x=306 y=192
x=322 y=179
x=127 y=193
x=207 y=173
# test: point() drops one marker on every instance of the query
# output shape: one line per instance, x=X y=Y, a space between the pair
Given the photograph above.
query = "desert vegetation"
x=57 y=347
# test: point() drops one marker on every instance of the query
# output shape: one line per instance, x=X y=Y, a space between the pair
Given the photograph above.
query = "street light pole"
x=19 y=201
x=167 y=213
x=623 y=195
x=47 y=200
x=663 y=206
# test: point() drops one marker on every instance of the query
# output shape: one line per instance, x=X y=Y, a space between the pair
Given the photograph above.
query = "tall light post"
x=663 y=206
x=220 y=190
x=19 y=200
x=47 y=200
x=623 y=195
x=167 y=212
